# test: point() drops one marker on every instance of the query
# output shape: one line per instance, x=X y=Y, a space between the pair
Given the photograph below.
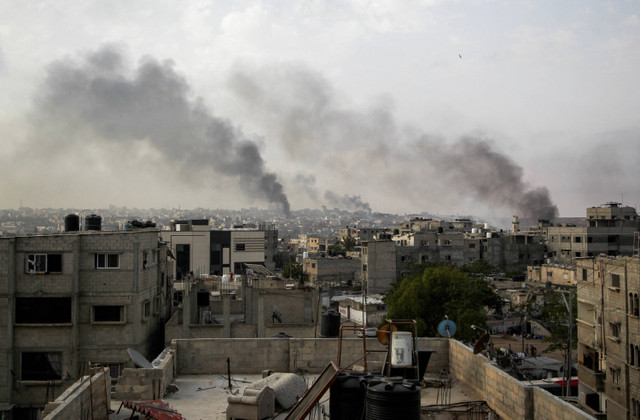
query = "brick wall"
x=146 y=384
x=252 y=355
x=510 y=398
x=80 y=398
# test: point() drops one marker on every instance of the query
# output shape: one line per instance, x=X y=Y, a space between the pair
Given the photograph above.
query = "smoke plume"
x=368 y=149
x=99 y=99
x=347 y=202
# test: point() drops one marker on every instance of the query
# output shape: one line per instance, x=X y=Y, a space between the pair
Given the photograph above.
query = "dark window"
x=43 y=310
x=240 y=247
x=584 y=274
x=471 y=246
x=146 y=309
x=41 y=366
x=577 y=239
x=590 y=239
x=103 y=261
x=615 y=280
x=44 y=263
x=108 y=313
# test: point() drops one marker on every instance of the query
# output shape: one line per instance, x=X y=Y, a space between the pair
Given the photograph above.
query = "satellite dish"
x=481 y=343
x=139 y=360
x=276 y=314
x=447 y=328
x=383 y=334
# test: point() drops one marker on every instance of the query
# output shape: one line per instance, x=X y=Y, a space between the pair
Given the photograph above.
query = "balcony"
x=594 y=379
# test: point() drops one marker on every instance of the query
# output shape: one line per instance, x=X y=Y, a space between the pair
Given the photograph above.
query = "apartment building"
x=68 y=299
x=609 y=335
x=610 y=229
x=202 y=251
x=386 y=260
x=332 y=270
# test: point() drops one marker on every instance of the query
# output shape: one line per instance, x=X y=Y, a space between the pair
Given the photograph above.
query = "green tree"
x=349 y=243
x=555 y=316
x=293 y=270
x=441 y=290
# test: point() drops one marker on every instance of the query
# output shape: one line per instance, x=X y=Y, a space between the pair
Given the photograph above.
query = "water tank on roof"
x=71 y=223
x=93 y=222
x=330 y=325
x=393 y=399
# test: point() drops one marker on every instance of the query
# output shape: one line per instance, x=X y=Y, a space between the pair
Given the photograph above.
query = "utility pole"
x=567 y=370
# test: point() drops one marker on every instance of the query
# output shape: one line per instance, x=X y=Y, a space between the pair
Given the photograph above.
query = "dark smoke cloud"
x=347 y=202
x=151 y=103
x=369 y=149
x=472 y=166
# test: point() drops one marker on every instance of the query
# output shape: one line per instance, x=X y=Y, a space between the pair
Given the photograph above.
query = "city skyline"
x=469 y=107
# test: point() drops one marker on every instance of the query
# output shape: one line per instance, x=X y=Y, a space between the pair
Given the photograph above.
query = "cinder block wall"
x=80 y=398
x=246 y=355
x=252 y=355
x=146 y=383
x=510 y=398
x=547 y=406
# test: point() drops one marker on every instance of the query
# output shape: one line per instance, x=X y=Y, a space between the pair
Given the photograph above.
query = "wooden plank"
x=314 y=393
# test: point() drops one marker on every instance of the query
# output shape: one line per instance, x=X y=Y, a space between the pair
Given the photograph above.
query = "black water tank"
x=93 y=222
x=71 y=223
x=347 y=395
x=393 y=399
x=330 y=325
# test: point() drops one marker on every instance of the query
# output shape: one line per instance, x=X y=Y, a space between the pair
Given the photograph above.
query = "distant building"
x=611 y=230
x=202 y=251
x=609 y=335
x=332 y=270
x=558 y=275
x=71 y=298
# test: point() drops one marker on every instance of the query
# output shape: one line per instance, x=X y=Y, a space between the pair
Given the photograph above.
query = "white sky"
x=554 y=86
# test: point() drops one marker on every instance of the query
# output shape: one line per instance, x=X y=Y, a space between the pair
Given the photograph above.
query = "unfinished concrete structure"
x=552 y=274
x=256 y=305
x=609 y=335
x=72 y=298
x=332 y=270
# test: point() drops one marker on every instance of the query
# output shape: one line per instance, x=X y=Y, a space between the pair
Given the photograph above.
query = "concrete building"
x=609 y=335
x=611 y=229
x=557 y=275
x=72 y=298
x=386 y=260
x=332 y=270
x=202 y=251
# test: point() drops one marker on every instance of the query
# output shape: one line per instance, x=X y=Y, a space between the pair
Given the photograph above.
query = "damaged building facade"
x=73 y=298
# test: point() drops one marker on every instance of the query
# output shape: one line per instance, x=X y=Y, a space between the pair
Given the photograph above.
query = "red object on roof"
x=563 y=382
x=156 y=409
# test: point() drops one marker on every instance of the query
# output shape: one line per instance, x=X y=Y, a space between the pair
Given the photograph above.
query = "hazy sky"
x=466 y=107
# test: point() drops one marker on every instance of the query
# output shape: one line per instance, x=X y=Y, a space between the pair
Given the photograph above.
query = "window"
x=425 y=258
x=364 y=267
x=584 y=274
x=424 y=243
x=106 y=261
x=472 y=245
x=146 y=309
x=615 y=329
x=240 y=247
x=405 y=258
x=43 y=310
x=41 y=366
x=44 y=263
x=615 y=280
x=577 y=239
x=145 y=259
x=108 y=313
x=614 y=372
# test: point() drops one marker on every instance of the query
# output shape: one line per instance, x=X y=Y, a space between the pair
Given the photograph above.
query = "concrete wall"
x=147 y=384
x=81 y=398
x=248 y=355
x=510 y=398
